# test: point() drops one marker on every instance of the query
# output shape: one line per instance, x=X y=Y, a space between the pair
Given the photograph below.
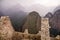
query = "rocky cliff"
x=32 y=23
x=56 y=20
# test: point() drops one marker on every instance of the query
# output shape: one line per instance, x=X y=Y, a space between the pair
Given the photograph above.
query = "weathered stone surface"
x=24 y=36
x=6 y=29
x=58 y=37
x=45 y=29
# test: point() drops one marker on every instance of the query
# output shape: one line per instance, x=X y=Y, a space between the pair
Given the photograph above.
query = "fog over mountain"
x=42 y=10
x=16 y=8
x=16 y=13
x=57 y=8
x=9 y=4
x=19 y=9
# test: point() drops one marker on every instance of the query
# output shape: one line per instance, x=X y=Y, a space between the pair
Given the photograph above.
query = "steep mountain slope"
x=53 y=29
x=56 y=8
x=1 y=14
x=56 y=20
x=49 y=15
x=32 y=23
x=17 y=16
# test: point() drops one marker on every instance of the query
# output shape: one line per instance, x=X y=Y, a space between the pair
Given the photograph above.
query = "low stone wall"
x=24 y=36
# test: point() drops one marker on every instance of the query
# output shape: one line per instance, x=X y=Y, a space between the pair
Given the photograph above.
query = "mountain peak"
x=30 y=24
x=57 y=8
x=49 y=15
x=33 y=13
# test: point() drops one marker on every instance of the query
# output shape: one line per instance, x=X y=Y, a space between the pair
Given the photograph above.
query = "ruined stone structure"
x=26 y=36
x=58 y=37
x=7 y=32
x=45 y=29
x=6 y=29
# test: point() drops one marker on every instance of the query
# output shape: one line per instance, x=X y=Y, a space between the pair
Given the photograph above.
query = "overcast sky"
x=47 y=3
x=42 y=2
x=26 y=3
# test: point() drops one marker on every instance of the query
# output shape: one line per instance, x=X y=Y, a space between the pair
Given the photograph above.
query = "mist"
x=27 y=6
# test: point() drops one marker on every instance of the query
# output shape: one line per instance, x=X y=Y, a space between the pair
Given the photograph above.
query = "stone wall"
x=7 y=32
x=26 y=36
x=45 y=35
x=6 y=29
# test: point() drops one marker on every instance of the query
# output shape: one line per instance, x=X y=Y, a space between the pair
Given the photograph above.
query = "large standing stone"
x=45 y=29
x=6 y=29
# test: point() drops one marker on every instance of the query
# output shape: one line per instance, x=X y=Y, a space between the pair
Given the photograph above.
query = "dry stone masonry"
x=6 y=29
x=45 y=29
x=7 y=32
